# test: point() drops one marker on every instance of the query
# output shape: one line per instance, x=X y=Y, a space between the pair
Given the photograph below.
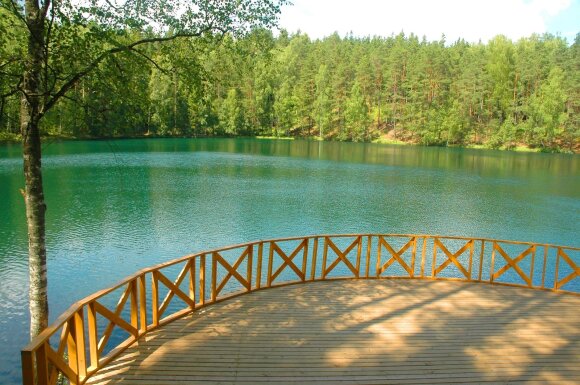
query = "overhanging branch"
x=150 y=60
x=129 y=47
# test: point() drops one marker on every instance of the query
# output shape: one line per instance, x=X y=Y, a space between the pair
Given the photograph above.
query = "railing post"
x=413 y=256
x=556 y=284
x=378 y=266
x=259 y=267
x=471 y=247
x=249 y=271
x=202 y=279
x=213 y=286
x=191 y=267
x=41 y=365
x=28 y=377
x=434 y=262
x=358 y=255
x=305 y=242
x=492 y=262
x=270 y=262
x=142 y=304
x=314 y=255
x=73 y=359
x=134 y=305
x=423 y=256
x=93 y=339
x=79 y=338
x=154 y=298
x=546 y=247
x=532 y=266
x=324 y=256
x=368 y=256
x=481 y=256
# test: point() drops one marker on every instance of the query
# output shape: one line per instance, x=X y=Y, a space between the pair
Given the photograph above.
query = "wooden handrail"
x=88 y=332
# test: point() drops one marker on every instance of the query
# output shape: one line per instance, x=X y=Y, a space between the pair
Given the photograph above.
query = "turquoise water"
x=117 y=206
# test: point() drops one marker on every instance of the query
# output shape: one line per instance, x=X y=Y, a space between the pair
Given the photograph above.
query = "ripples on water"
x=110 y=214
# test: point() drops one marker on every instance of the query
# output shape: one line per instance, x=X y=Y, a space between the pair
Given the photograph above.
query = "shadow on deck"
x=364 y=332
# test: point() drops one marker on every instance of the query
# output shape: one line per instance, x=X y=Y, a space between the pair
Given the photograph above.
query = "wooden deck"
x=364 y=332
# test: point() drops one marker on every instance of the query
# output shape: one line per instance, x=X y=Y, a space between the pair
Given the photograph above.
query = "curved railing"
x=98 y=328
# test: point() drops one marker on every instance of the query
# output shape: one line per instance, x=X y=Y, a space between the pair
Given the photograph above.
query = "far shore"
x=6 y=139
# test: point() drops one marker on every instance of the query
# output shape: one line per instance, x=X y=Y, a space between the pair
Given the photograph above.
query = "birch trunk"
x=30 y=113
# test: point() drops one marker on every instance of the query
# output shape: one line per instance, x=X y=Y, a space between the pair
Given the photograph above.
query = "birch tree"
x=68 y=39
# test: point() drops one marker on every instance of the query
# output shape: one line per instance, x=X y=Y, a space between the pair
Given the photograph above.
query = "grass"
x=6 y=137
x=390 y=141
x=275 y=137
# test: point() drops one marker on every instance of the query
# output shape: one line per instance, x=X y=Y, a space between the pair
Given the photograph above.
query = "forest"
x=402 y=88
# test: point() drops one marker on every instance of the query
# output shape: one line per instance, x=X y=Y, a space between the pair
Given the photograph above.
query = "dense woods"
x=499 y=94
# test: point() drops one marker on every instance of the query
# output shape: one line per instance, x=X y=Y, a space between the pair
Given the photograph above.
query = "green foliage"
x=548 y=106
x=322 y=104
x=95 y=77
x=356 y=116
x=232 y=115
x=502 y=94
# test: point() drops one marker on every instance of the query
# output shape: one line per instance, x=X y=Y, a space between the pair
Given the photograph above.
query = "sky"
x=472 y=20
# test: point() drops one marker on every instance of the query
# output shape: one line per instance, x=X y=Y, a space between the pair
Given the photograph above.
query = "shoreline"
x=16 y=140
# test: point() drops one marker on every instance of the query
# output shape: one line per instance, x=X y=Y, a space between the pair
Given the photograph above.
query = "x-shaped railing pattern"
x=84 y=344
x=452 y=258
x=287 y=261
x=512 y=263
x=575 y=269
x=341 y=256
x=232 y=270
x=396 y=256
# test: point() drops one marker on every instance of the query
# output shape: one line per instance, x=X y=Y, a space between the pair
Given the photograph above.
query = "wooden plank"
x=249 y=268
x=134 y=305
x=368 y=259
x=202 y=279
x=28 y=377
x=79 y=339
x=423 y=253
x=546 y=247
x=71 y=346
x=259 y=267
x=142 y=304
x=413 y=255
x=304 y=260
x=403 y=331
x=314 y=257
x=42 y=365
x=214 y=262
x=62 y=366
x=270 y=263
x=481 y=256
x=155 y=298
x=92 y=334
x=358 y=255
x=324 y=258
x=191 y=267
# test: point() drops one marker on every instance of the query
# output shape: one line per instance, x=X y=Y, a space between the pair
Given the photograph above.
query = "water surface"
x=117 y=206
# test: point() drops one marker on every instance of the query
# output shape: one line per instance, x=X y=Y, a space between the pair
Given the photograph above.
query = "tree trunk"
x=30 y=114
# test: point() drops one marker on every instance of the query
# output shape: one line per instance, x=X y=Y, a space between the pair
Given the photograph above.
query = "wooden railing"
x=98 y=328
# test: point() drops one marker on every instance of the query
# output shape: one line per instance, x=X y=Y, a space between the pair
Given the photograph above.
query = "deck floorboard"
x=365 y=332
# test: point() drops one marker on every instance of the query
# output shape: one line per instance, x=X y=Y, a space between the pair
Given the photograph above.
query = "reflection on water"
x=116 y=206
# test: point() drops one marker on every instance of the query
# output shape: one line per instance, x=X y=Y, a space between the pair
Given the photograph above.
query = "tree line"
x=498 y=94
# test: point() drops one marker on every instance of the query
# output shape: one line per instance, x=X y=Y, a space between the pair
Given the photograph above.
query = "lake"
x=117 y=206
